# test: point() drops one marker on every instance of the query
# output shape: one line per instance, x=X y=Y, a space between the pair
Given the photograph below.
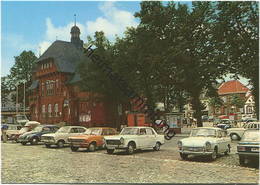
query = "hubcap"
x=91 y=147
x=234 y=137
x=60 y=144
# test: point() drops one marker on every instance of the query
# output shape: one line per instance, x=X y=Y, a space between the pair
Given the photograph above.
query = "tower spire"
x=75 y=19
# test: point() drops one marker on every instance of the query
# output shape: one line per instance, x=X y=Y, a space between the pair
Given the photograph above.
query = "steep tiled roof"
x=231 y=87
x=65 y=55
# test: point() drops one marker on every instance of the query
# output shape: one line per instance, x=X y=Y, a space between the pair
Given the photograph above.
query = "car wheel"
x=110 y=151
x=228 y=150
x=60 y=144
x=92 y=147
x=234 y=137
x=213 y=156
x=157 y=146
x=74 y=149
x=34 y=141
x=184 y=156
x=131 y=148
x=23 y=143
x=47 y=145
x=242 y=160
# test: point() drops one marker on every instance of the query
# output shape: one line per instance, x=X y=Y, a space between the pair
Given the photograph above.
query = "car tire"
x=184 y=156
x=23 y=143
x=60 y=144
x=47 y=145
x=110 y=151
x=228 y=150
x=74 y=149
x=34 y=141
x=241 y=160
x=92 y=147
x=234 y=137
x=157 y=146
x=214 y=154
x=131 y=148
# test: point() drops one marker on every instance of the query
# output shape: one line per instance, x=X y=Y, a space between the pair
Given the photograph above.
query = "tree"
x=21 y=72
x=237 y=36
x=237 y=101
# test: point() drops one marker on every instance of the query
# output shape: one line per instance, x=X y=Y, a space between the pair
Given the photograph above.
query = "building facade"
x=55 y=93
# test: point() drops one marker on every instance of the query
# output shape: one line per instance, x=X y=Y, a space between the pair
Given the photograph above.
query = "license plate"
x=255 y=149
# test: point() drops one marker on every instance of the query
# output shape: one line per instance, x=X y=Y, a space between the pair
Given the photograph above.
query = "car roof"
x=215 y=128
x=138 y=127
x=100 y=128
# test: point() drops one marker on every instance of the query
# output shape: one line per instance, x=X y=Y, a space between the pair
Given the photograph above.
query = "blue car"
x=34 y=136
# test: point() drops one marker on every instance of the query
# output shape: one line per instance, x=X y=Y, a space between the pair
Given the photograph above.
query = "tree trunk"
x=197 y=106
x=255 y=93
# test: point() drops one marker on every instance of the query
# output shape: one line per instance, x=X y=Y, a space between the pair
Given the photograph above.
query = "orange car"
x=92 y=138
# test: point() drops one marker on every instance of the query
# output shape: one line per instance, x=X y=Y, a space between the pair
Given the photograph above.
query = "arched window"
x=49 y=110
x=56 y=109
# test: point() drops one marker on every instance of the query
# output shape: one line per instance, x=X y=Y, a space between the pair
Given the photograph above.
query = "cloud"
x=112 y=22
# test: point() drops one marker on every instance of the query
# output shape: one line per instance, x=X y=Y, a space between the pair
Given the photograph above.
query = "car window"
x=19 y=127
x=81 y=130
x=112 y=132
x=46 y=129
x=142 y=131
x=73 y=130
x=55 y=129
x=149 y=131
x=105 y=132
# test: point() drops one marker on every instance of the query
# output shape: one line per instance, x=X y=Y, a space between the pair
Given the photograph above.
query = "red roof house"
x=232 y=87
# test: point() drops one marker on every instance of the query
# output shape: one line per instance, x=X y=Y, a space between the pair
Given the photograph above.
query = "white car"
x=237 y=133
x=208 y=141
x=133 y=138
x=60 y=138
x=13 y=129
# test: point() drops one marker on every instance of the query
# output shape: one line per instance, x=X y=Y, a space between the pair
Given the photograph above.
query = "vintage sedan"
x=248 y=147
x=133 y=138
x=60 y=138
x=92 y=139
x=208 y=141
x=237 y=133
x=34 y=136
x=13 y=129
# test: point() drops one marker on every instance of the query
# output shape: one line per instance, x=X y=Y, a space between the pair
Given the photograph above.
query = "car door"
x=142 y=141
x=151 y=137
x=72 y=132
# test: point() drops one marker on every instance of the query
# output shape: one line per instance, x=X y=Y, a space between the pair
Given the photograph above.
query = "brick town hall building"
x=55 y=93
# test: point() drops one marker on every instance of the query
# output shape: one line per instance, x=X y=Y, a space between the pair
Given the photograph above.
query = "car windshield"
x=203 y=132
x=95 y=131
x=129 y=131
x=63 y=130
x=37 y=129
x=24 y=129
x=251 y=136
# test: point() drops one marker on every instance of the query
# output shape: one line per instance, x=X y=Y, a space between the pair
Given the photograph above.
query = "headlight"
x=122 y=140
x=208 y=146
x=241 y=148
x=179 y=144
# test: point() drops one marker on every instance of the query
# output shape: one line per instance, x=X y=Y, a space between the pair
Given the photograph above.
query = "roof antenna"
x=75 y=19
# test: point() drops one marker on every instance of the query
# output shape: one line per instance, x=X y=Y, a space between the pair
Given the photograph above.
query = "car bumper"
x=80 y=145
x=120 y=147
x=21 y=140
x=196 y=152
x=249 y=154
x=49 y=142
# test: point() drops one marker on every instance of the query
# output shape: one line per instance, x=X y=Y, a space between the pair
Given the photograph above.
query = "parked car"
x=12 y=129
x=60 y=138
x=34 y=136
x=133 y=138
x=224 y=124
x=205 y=141
x=248 y=147
x=30 y=125
x=237 y=133
x=92 y=138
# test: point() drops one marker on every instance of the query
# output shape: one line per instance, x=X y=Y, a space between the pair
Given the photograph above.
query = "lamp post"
x=24 y=97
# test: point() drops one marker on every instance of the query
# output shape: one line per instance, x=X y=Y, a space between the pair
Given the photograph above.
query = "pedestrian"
x=3 y=130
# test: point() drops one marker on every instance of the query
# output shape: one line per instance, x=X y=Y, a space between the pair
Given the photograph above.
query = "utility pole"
x=24 y=97
x=16 y=98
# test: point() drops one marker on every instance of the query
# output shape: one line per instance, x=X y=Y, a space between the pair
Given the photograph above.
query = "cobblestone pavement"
x=37 y=164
